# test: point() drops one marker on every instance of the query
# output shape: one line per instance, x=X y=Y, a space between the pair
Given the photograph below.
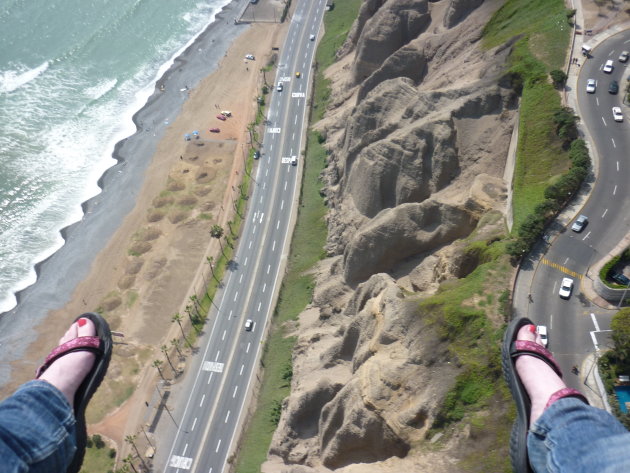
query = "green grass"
x=97 y=460
x=544 y=39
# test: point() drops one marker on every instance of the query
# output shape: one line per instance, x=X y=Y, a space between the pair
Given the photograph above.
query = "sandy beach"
x=141 y=251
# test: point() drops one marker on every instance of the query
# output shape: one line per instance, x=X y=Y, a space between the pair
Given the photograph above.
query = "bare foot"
x=68 y=372
x=539 y=379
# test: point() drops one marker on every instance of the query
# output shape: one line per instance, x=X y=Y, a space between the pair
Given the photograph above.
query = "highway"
x=217 y=388
x=570 y=322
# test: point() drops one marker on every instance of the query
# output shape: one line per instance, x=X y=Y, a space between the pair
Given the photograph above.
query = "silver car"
x=579 y=223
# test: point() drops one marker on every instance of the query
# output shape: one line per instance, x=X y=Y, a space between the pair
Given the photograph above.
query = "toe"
x=85 y=327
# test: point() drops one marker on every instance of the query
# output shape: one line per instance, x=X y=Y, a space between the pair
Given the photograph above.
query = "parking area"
x=263 y=11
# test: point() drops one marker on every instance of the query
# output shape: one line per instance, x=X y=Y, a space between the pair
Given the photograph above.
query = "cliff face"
x=418 y=133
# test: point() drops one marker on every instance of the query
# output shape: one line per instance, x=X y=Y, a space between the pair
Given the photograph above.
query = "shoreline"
x=104 y=213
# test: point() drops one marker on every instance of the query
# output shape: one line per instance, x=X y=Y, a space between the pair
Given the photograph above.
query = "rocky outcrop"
x=417 y=135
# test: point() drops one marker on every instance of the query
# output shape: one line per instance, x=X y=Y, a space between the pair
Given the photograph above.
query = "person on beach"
x=42 y=424
x=556 y=430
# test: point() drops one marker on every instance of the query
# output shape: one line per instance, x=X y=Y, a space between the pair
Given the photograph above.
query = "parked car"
x=214 y=130
x=613 y=88
x=250 y=57
x=608 y=66
x=256 y=154
x=579 y=223
x=226 y=113
x=621 y=279
x=542 y=331
x=221 y=117
x=617 y=115
x=591 y=85
x=566 y=286
x=623 y=57
x=280 y=87
x=249 y=325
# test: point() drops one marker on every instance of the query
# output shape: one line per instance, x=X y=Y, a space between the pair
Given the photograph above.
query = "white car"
x=591 y=85
x=617 y=115
x=579 y=223
x=250 y=57
x=249 y=325
x=623 y=57
x=312 y=37
x=280 y=87
x=293 y=160
x=566 y=286
x=542 y=332
x=608 y=67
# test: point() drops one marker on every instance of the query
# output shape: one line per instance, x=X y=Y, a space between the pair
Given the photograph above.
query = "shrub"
x=558 y=77
x=98 y=441
x=566 y=124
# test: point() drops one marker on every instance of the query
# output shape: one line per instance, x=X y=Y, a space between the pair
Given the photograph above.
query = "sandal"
x=101 y=345
x=511 y=350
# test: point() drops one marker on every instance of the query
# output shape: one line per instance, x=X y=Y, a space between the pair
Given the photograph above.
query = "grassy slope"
x=306 y=249
x=544 y=31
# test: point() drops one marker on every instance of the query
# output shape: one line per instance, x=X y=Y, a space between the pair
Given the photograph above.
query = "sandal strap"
x=92 y=344
x=527 y=347
x=565 y=392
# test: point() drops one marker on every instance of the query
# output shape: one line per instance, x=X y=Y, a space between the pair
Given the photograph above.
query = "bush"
x=98 y=441
x=566 y=124
x=604 y=273
x=112 y=453
x=558 y=77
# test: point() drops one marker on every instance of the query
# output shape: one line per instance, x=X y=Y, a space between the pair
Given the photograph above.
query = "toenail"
x=83 y=321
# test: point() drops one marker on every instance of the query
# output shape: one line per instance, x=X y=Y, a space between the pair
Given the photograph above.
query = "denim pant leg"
x=37 y=430
x=571 y=436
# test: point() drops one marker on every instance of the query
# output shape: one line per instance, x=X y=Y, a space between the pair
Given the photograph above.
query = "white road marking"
x=566 y=261
x=261 y=197
x=617 y=166
x=254 y=230
x=194 y=423
x=218 y=353
x=234 y=393
x=235 y=296
x=223 y=337
x=293 y=137
x=267 y=172
x=268 y=268
x=264 y=185
x=218 y=445
x=250 y=246
x=282 y=204
x=264 y=287
x=613 y=142
x=247 y=349
x=245 y=263
x=273 y=247
x=298 y=104
x=227 y=416
x=295 y=121
x=259 y=306
x=597 y=101
x=240 y=280
x=230 y=316
x=278 y=225
x=241 y=372
x=185 y=448
x=587 y=235
x=595 y=322
x=285 y=185
x=262 y=215
x=209 y=378
x=203 y=398
x=605 y=212
x=604 y=121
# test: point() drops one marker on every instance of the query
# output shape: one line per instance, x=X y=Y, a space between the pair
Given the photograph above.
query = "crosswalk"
x=564 y=269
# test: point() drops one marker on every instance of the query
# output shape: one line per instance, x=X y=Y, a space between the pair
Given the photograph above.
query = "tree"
x=158 y=364
x=178 y=318
x=620 y=326
x=175 y=344
x=558 y=77
x=217 y=232
x=164 y=349
x=210 y=261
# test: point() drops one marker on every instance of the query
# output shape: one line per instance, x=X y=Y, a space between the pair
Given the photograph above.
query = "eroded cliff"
x=418 y=133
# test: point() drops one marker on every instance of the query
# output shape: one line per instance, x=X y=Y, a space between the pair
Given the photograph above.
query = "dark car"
x=621 y=279
x=613 y=88
x=256 y=154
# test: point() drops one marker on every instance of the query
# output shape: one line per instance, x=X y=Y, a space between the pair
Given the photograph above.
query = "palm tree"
x=210 y=261
x=192 y=319
x=230 y=223
x=175 y=343
x=178 y=318
x=195 y=300
x=157 y=364
x=131 y=440
x=217 y=232
x=128 y=461
x=164 y=349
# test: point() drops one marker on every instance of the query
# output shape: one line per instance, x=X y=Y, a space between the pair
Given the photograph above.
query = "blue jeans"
x=571 y=436
x=37 y=430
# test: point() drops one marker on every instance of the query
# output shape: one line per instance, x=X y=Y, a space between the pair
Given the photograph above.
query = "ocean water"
x=72 y=74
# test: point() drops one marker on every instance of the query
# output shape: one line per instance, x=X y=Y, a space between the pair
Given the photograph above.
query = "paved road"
x=209 y=422
x=570 y=321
